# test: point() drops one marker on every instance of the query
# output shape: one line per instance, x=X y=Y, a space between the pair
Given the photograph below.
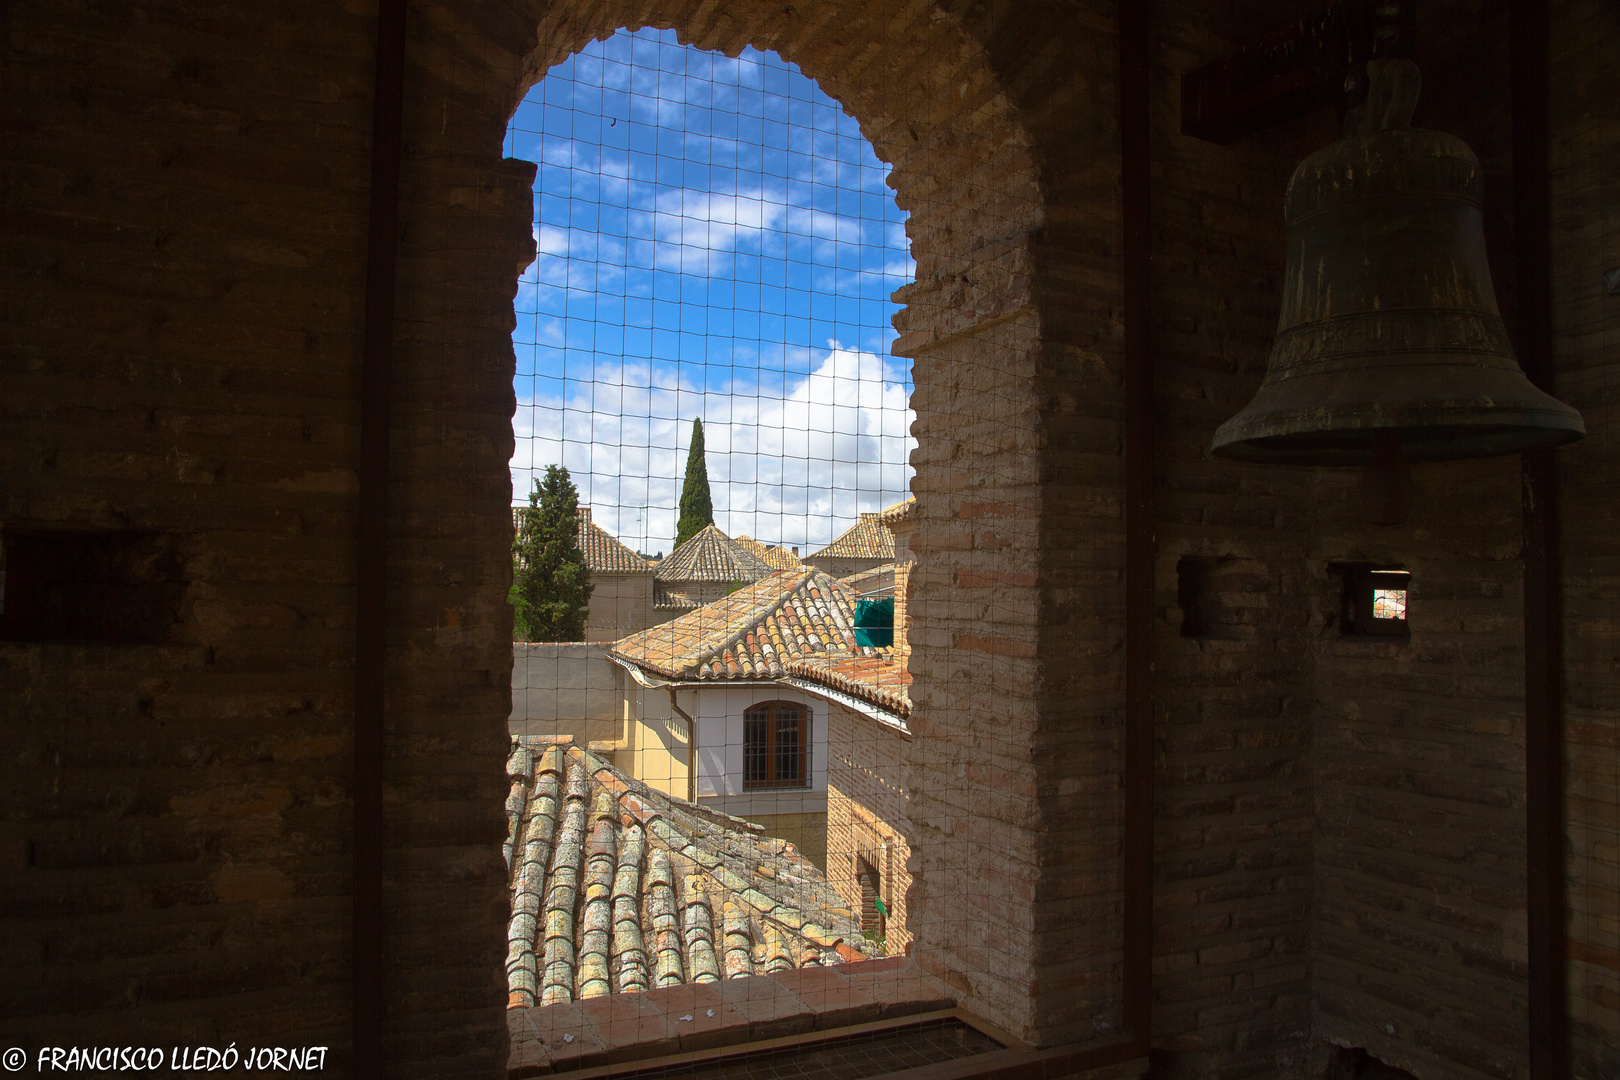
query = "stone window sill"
x=694 y=1017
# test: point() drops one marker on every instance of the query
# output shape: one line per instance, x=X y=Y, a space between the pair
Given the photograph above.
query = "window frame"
x=767 y=713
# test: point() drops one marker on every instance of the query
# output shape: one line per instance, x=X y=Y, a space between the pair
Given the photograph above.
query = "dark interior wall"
x=1233 y=667
x=1585 y=157
x=1419 y=744
x=185 y=196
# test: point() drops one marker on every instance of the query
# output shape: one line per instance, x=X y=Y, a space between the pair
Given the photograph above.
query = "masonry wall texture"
x=1585 y=156
x=1420 y=909
x=866 y=815
x=1339 y=822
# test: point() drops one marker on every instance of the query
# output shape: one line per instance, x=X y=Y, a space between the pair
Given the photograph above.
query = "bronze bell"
x=1389 y=336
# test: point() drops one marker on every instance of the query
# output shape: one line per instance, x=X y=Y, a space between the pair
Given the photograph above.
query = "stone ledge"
x=696 y=1017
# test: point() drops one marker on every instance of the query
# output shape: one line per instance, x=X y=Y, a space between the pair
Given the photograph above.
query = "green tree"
x=551 y=585
x=697 y=507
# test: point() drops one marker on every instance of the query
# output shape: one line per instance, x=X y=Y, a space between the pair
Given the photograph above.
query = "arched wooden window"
x=776 y=745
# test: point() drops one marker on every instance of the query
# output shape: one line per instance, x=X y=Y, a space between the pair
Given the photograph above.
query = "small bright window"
x=1389 y=603
x=1375 y=601
x=776 y=745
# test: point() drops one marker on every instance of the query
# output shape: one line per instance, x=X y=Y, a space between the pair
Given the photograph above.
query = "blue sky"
x=716 y=239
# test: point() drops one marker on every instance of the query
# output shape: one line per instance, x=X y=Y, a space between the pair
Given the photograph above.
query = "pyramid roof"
x=868 y=538
x=604 y=553
x=711 y=555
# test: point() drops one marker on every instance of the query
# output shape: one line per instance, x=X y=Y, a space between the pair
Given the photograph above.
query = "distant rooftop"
x=604 y=554
x=868 y=538
x=753 y=632
x=775 y=556
x=796 y=626
x=713 y=556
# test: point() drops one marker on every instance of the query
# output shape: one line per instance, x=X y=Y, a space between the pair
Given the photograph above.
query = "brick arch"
x=922 y=90
x=927 y=97
x=996 y=387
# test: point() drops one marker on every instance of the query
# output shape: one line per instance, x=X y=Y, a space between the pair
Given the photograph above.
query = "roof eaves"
x=880 y=713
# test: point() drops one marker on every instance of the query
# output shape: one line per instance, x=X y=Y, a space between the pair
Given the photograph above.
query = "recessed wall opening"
x=706 y=389
x=90 y=585
x=1374 y=600
x=1209 y=590
x=1355 y=1063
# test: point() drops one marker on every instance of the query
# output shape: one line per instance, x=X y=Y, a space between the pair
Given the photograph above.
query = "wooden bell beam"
x=1296 y=70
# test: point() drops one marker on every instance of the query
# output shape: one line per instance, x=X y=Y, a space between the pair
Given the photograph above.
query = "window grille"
x=776 y=746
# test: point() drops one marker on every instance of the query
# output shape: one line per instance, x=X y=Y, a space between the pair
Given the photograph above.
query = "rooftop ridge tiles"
x=810 y=588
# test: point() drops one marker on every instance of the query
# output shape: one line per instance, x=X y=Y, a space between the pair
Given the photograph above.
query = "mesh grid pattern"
x=715 y=241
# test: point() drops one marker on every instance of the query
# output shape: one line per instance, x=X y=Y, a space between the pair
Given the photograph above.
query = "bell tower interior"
x=1219 y=764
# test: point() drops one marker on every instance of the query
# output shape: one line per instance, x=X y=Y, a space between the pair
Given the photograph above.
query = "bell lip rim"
x=1529 y=437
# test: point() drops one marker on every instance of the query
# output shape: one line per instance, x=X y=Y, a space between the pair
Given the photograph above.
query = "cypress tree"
x=551 y=585
x=697 y=508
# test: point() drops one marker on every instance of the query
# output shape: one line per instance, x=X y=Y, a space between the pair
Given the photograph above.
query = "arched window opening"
x=776 y=745
x=713 y=433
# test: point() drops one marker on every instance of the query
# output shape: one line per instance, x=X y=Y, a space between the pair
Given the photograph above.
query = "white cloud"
x=795 y=467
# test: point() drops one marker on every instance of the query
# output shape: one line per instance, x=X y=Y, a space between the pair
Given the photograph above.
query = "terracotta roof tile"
x=875 y=679
x=616 y=887
x=604 y=554
x=665 y=598
x=775 y=556
x=752 y=633
x=866 y=539
x=878 y=579
x=711 y=555
x=899 y=512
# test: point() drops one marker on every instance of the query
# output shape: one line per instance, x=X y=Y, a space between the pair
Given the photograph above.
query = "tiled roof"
x=877 y=579
x=666 y=598
x=875 y=679
x=866 y=539
x=899 y=512
x=604 y=554
x=711 y=555
x=775 y=556
x=618 y=888
x=753 y=632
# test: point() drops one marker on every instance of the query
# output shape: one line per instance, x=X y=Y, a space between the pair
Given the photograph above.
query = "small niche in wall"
x=111 y=586
x=1204 y=587
x=1357 y=1064
x=1375 y=600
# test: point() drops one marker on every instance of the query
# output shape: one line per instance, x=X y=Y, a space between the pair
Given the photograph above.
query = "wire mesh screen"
x=716 y=243
x=733 y=767
x=711 y=423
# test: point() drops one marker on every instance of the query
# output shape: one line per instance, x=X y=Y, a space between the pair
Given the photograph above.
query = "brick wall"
x=185 y=194
x=1233 y=687
x=1585 y=155
x=1420 y=912
x=867 y=815
x=186 y=215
